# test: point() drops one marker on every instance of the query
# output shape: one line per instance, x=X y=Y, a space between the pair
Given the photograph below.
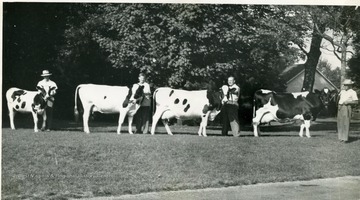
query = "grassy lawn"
x=67 y=163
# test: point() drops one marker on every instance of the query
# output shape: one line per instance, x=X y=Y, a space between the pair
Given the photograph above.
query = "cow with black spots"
x=183 y=104
x=24 y=101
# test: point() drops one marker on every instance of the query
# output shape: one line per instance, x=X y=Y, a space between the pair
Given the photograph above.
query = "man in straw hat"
x=47 y=83
x=347 y=98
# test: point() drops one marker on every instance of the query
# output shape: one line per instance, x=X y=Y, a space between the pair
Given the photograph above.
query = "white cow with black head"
x=283 y=107
x=24 y=101
x=109 y=99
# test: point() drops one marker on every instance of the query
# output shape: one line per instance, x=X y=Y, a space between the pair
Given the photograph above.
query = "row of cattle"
x=173 y=103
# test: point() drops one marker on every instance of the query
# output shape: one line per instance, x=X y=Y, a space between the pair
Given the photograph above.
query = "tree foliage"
x=178 y=44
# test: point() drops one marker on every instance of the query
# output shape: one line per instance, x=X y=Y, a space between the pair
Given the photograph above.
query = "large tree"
x=302 y=21
x=335 y=24
x=354 y=62
x=343 y=25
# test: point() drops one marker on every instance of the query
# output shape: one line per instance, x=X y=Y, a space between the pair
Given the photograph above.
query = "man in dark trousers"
x=231 y=108
x=47 y=83
x=144 y=112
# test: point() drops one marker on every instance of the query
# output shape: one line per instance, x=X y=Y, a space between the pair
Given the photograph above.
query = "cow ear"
x=38 y=88
x=126 y=102
x=205 y=109
x=316 y=91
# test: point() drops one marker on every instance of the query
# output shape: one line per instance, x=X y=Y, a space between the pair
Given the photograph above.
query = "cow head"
x=138 y=91
x=46 y=92
x=215 y=103
x=326 y=96
x=135 y=95
x=39 y=104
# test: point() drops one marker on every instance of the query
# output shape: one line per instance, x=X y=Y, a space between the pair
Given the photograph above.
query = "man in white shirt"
x=143 y=114
x=230 y=108
x=47 y=83
x=347 y=98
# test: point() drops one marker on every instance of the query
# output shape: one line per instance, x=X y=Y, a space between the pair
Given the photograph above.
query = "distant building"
x=294 y=77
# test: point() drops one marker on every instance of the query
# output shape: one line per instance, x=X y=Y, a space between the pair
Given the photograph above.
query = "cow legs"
x=155 y=119
x=200 y=129
x=302 y=126
x=86 y=116
x=307 y=127
x=12 y=116
x=130 y=120
x=122 y=116
x=203 y=125
x=167 y=126
x=44 y=120
x=36 y=120
x=256 y=122
x=262 y=115
x=257 y=119
x=256 y=129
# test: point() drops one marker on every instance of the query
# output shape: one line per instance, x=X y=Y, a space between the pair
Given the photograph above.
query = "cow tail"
x=76 y=112
x=154 y=102
x=254 y=107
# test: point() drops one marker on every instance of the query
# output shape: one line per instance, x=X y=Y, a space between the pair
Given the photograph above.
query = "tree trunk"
x=343 y=65
x=312 y=60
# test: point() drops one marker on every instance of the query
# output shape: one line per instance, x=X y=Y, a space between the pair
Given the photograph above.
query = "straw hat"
x=348 y=82
x=45 y=73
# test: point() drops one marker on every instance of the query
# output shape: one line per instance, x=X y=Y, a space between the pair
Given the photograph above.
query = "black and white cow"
x=24 y=101
x=282 y=107
x=109 y=99
x=183 y=104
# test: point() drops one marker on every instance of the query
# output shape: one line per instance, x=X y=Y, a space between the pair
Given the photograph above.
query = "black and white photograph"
x=180 y=101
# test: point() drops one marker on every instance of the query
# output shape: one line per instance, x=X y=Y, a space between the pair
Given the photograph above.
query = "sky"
x=327 y=52
x=331 y=58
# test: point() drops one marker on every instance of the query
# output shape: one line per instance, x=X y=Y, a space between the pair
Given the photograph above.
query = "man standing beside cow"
x=231 y=108
x=50 y=86
x=347 y=98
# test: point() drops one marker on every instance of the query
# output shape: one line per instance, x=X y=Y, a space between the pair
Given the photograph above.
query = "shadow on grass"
x=278 y=127
x=353 y=139
x=272 y=130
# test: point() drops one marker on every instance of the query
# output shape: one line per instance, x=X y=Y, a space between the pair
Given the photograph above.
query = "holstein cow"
x=282 y=107
x=24 y=101
x=109 y=99
x=183 y=104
